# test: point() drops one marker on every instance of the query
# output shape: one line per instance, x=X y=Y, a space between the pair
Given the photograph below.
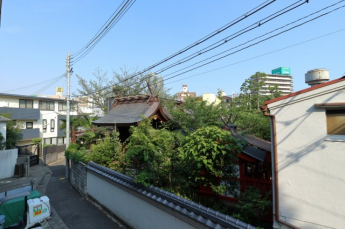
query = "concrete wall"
x=53 y=153
x=8 y=159
x=78 y=177
x=310 y=166
x=131 y=209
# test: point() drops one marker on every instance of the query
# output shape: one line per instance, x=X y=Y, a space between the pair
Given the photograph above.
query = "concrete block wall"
x=8 y=160
x=78 y=177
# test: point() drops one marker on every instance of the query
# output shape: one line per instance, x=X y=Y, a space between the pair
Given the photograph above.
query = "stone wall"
x=53 y=153
x=78 y=177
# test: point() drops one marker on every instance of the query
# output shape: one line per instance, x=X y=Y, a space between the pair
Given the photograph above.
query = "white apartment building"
x=280 y=77
x=37 y=117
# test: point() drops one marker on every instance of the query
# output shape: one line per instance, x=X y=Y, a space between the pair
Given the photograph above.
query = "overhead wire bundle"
x=238 y=48
x=108 y=25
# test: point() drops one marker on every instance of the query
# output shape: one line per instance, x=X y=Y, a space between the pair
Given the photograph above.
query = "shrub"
x=74 y=154
x=108 y=152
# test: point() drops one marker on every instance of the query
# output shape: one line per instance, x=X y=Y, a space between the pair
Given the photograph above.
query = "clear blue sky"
x=35 y=37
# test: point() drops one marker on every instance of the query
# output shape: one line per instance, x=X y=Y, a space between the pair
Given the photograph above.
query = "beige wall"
x=311 y=168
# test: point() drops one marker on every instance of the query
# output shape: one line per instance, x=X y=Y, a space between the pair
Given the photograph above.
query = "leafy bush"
x=108 y=152
x=74 y=154
x=37 y=141
x=208 y=156
x=253 y=207
x=151 y=154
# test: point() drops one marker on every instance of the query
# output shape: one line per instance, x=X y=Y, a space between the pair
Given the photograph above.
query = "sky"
x=36 y=36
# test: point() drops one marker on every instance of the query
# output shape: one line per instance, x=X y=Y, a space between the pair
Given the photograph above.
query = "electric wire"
x=32 y=85
x=252 y=58
x=225 y=27
x=82 y=49
x=255 y=57
x=100 y=35
x=272 y=31
x=94 y=44
x=205 y=38
x=268 y=38
x=233 y=36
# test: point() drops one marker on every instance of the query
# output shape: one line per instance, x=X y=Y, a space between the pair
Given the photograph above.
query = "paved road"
x=75 y=211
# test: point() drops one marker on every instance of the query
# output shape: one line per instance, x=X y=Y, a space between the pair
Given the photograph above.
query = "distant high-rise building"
x=280 y=77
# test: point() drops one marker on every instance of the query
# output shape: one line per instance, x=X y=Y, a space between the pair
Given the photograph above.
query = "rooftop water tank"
x=317 y=76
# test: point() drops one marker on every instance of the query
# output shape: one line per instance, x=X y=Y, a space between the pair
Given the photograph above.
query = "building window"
x=335 y=122
x=44 y=125
x=47 y=105
x=26 y=103
x=62 y=106
x=29 y=125
x=47 y=141
x=52 y=125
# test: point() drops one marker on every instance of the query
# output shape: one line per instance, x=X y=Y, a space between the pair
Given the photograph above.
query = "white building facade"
x=308 y=151
x=37 y=117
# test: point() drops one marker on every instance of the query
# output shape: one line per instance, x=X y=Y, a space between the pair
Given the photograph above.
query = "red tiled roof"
x=305 y=90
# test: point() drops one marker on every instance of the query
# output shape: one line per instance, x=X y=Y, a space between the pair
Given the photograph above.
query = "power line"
x=268 y=38
x=265 y=54
x=98 y=37
x=98 y=32
x=254 y=43
x=105 y=33
x=272 y=31
x=233 y=36
x=205 y=38
x=32 y=85
x=225 y=27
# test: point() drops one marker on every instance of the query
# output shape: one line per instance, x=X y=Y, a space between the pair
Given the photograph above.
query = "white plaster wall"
x=49 y=115
x=311 y=171
x=3 y=129
x=8 y=160
x=131 y=209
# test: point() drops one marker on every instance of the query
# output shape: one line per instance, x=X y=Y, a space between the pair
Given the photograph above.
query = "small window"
x=62 y=106
x=26 y=103
x=29 y=125
x=335 y=122
x=47 y=141
x=44 y=125
x=52 y=125
x=47 y=105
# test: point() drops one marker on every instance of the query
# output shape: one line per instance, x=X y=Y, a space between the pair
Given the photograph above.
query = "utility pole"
x=68 y=71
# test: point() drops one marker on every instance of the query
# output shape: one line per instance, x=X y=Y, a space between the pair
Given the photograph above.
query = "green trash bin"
x=14 y=209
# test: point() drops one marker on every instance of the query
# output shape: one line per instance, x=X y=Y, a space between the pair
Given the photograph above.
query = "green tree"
x=13 y=132
x=2 y=142
x=150 y=154
x=209 y=155
x=97 y=90
x=108 y=152
x=195 y=113
x=253 y=86
x=253 y=207
x=75 y=122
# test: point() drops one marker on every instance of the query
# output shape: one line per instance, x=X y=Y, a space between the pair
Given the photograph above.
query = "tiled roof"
x=247 y=148
x=201 y=214
x=129 y=110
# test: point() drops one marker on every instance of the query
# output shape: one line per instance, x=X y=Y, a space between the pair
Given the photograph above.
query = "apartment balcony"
x=28 y=134
x=21 y=113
